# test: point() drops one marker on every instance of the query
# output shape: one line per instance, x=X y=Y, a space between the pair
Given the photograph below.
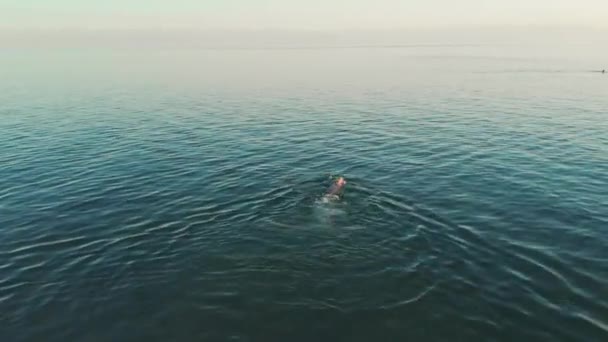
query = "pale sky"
x=300 y=14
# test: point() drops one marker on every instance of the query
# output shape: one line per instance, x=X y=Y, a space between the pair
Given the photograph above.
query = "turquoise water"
x=177 y=196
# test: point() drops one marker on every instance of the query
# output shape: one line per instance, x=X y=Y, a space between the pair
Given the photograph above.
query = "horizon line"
x=313 y=30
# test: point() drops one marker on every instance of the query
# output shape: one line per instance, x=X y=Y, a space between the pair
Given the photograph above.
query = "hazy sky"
x=300 y=14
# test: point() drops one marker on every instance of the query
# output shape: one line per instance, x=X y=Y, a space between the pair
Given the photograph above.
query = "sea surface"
x=177 y=195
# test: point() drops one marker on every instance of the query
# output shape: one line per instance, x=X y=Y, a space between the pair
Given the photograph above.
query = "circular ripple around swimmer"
x=344 y=242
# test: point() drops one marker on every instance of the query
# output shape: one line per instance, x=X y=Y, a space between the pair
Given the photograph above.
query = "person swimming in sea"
x=336 y=188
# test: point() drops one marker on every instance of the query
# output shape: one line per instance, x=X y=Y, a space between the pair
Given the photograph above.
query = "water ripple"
x=464 y=218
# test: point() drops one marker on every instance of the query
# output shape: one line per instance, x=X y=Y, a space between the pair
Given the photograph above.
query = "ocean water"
x=177 y=195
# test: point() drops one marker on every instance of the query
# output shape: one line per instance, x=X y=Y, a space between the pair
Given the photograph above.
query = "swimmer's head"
x=340 y=181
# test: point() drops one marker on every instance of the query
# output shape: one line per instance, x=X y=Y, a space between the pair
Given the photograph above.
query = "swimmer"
x=335 y=189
